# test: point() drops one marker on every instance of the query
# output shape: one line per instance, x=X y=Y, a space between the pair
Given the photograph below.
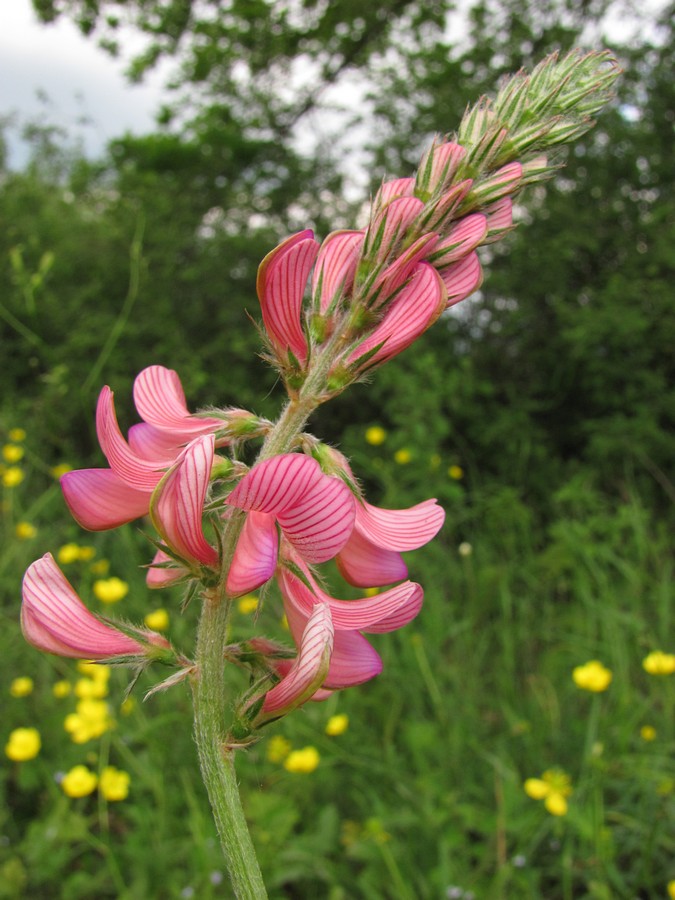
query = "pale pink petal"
x=153 y=444
x=336 y=265
x=414 y=310
x=388 y=282
x=364 y=564
x=462 y=278
x=502 y=182
x=178 y=503
x=276 y=484
x=282 y=278
x=320 y=521
x=255 y=557
x=467 y=234
x=160 y=401
x=309 y=668
x=391 y=190
x=499 y=218
x=384 y=612
x=354 y=661
x=400 y=529
x=98 y=499
x=136 y=471
x=438 y=166
x=164 y=571
x=54 y=619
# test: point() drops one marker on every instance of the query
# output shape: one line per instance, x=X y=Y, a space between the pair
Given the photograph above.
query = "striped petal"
x=461 y=240
x=282 y=278
x=164 y=571
x=336 y=266
x=54 y=619
x=462 y=278
x=400 y=529
x=255 y=556
x=98 y=499
x=160 y=401
x=414 y=310
x=309 y=668
x=395 y=275
x=178 y=503
x=152 y=443
x=392 y=190
x=364 y=564
x=135 y=470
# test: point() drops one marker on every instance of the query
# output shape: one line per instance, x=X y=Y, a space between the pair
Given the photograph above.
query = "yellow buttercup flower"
x=23 y=744
x=456 y=473
x=402 y=456
x=79 y=782
x=12 y=453
x=110 y=590
x=61 y=469
x=21 y=687
x=278 y=748
x=648 y=733
x=69 y=553
x=371 y=592
x=86 y=554
x=25 y=531
x=592 y=676
x=90 y=720
x=302 y=761
x=12 y=476
x=375 y=435
x=16 y=434
x=114 y=784
x=61 y=689
x=91 y=689
x=100 y=567
x=671 y=889
x=659 y=663
x=247 y=604
x=337 y=724
x=553 y=788
x=158 y=620
x=97 y=671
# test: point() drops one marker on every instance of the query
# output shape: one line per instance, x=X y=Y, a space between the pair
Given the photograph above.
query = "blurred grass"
x=422 y=796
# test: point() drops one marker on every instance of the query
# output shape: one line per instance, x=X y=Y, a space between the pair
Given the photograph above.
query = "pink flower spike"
x=164 y=571
x=140 y=473
x=310 y=667
x=54 y=619
x=460 y=241
x=462 y=278
x=282 y=278
x=98 y=499
x=335 y=266
x=160 y=401
x=178 y=503
x=255 y=556
x=438 y=166
x=415 y=309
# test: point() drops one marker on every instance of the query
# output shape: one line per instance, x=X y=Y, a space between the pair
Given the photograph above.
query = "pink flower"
x=335 y=268
x=105 y=498
x=314 y=512
x=353 y=659
x=54 y=619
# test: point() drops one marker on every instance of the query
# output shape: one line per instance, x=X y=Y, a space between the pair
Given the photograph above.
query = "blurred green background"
x=540 y=413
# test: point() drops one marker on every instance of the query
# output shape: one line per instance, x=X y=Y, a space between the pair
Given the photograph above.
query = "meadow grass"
x=421 y=796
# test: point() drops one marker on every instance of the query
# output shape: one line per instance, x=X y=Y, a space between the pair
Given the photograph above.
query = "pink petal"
x=54 y=619
x=364 y=564
x=160 y=401
x=136 y=471
x=499 y=218
x=320 y=522
x=414 y=310
x=98 y=499
x=400 y=529
x=282 y=278
x=394 y=220
x=336 y=265
x=178 y=503
x=461 y=240
x=388 y=282
x=438 y=166
x=462 y=278
x=153 y=444
x=391 y=190
x=275 y=484
x=354 y=661
x=309 y=668
x=161 y=576
x=255 y=556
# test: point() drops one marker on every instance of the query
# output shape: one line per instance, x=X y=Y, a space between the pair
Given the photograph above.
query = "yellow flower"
x=127 y=706
x=110 y=590
x=17 y=434
x=23 y=744
x=12 y=476
x=371 y=591
x=659 y=663
x=278 y=748
x=11 y=453
x=158 y=620
x=25 y=531
x=61 y=469
x=21 y=687
x=403 y=456
x=69 y=553
x=100 y=567
x=648 y=733
x=302 y=761
x=79 y=782
x=592 y=676
x=465 y=549
x=456 y=472
x=90 y=720
x=97 y=671
x=91 y=689
x=337 y=724
x=86 y=553
x=553 y=788
x=671 y=889
x=247 y=604
x=61 y=689
x=375 y=435
x=114 y=784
